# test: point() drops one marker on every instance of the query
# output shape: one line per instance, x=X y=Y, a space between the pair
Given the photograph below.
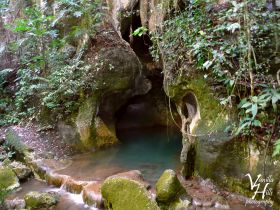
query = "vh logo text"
x=260 y=186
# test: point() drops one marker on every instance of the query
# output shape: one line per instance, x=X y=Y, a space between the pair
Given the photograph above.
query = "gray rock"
x=15 y=204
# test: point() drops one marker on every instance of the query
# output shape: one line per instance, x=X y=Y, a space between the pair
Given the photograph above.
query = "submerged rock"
x=38 y=200
x=120 y=192
x=74 y=186
x=8 y=179
x=56 y=179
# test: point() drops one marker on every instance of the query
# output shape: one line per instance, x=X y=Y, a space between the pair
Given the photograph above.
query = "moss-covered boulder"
x=39 y=200
x=8 y=179
x=170 y=194
x=121 y=193
x=21 y=170
x=168 y=187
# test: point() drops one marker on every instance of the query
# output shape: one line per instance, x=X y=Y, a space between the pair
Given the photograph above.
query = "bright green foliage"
x=276 y=148
x=234 y=44
x=46 y=75
x=251 y=106
x=140 y=31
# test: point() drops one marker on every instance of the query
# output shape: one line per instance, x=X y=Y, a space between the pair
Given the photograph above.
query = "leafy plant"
x=276 y=150
x=43 y=62
x=232 y=43
x=140 y=31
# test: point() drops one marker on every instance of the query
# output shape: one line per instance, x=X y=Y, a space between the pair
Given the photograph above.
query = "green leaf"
x=274 y=101
x=276 y=150
x=257 y=123
x=255 y=99
x=140 y=31
x=207 y=64
x=246 y=105
x=254 y=110
x=232 y=27
x=240 y=128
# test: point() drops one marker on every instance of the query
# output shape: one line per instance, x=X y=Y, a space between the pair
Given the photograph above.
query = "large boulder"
x=39 y=200
x=168 y=187
x=8 y=179
x=116 y=75
x=170 y=194
x=120 y=192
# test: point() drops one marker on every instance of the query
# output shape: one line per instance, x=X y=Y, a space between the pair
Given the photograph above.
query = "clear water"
x=67 y=200
x=150 y=150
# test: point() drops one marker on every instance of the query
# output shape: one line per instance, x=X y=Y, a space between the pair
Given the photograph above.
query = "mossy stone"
x=37 y=200
x=122 y=193
x=14 y=140
x=168 y=187
x=8 y=179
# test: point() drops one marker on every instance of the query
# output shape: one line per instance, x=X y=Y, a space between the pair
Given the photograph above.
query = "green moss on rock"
x=37 y=200
x=213 y=116
x=13 y=140
x=168 y=187
x=122 y=193
x=8 y=179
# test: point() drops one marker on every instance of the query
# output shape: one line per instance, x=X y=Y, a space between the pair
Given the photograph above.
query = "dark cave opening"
x=140 y=44
x=154 y=108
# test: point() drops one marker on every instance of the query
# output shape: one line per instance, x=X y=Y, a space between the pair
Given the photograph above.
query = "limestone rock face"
x=153 y=13
x=8 y=179
x=120 y=192
x=37 y=200
x=117 y=77
x=121 y=12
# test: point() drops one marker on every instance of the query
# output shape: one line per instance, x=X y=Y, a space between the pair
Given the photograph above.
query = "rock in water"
x=170 y=194
x=21 y=170
x=8 y=179
x=120 y=192
x=168 y=187
x=92 y=194
x=15 y=204
x=38 y=200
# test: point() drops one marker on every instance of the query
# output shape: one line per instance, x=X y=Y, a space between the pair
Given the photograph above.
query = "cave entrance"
x=150 y=140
